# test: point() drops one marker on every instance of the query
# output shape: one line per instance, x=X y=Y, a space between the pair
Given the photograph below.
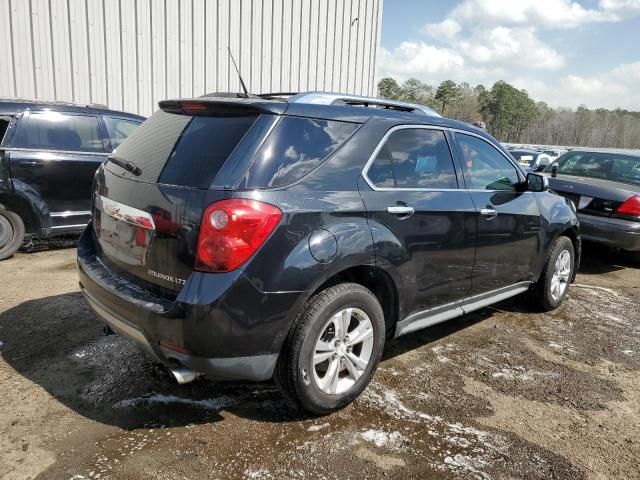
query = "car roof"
x=334 y=106
x=524 y=150
x=617 y=151
x=9 y=106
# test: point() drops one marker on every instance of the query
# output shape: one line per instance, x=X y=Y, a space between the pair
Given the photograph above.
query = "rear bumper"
x=222 y=327
x=624 y=234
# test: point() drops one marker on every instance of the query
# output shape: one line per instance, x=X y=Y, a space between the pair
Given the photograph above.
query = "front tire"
x=11 y=233
x=549 y=291
x=332 y=350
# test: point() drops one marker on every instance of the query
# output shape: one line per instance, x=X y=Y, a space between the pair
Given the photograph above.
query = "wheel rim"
x=6 y=230
x=561 y=275
x=342 y=351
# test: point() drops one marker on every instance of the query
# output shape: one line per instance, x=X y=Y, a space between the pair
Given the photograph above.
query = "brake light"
x=231 y=231
x=630 y=207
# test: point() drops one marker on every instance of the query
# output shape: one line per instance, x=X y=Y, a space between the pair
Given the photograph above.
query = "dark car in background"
x=49 y=154
x=245 y=238
x=604 y=186
x=531 y=160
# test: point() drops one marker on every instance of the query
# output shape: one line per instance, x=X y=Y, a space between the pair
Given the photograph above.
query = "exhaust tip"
x=183 y=374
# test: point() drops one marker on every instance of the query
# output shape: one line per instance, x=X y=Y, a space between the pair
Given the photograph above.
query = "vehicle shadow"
x=597 y=259
x=56 y=342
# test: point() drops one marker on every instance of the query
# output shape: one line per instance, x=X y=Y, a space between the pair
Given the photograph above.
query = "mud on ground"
x=502 y=393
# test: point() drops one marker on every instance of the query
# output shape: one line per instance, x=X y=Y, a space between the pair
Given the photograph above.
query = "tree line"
x=512 y=116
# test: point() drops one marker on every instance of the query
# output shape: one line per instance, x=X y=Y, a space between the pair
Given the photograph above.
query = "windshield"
x=608 y=166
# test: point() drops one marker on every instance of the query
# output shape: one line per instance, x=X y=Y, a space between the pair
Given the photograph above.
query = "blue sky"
x=564 y=52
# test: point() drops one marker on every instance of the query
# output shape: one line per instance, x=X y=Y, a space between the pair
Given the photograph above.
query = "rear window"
x=294 y=148
x=182 y=150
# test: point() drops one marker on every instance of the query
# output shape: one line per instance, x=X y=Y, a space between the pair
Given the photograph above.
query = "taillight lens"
x=630 y=207
x=231 y=231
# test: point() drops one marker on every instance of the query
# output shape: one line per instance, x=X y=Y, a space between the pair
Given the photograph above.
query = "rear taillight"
x=231 y=231
x=630 y=207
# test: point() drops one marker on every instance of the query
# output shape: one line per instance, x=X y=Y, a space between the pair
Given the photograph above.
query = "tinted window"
x=181 y=150
x=619 y=168
x=421 y=159
x=381 y=170
x=488 y=168
x=203 y=147
x=4 y=124
x=119 y=129
x=294 y=148
x=57 y=131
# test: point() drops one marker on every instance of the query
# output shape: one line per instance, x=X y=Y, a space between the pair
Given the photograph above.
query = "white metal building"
x=129 y=54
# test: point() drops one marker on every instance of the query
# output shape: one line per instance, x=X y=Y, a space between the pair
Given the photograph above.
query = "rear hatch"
x=150 y=197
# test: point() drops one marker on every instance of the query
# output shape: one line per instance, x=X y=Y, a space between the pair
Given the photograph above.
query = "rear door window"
x=60 y=131
x=294 y=148
x=119 y=129
x=180 y=149
x=414 y=158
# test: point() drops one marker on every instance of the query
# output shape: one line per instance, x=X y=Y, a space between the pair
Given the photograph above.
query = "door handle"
x=404 y=210
x=489 y=212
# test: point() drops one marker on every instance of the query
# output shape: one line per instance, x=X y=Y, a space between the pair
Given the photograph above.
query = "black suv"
x=49 y=154
x=291 y=237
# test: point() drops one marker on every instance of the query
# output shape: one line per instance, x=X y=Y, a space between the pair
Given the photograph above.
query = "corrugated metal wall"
x=129 y=54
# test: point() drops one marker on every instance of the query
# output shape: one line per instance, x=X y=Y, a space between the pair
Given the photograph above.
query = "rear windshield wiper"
x=126 y=164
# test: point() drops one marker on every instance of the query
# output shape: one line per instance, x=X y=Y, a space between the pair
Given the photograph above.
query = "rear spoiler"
x=221 y=106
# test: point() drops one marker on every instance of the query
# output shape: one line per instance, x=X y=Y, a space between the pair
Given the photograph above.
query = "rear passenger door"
x=57 y=154
x=423 y=222
x=508 y=219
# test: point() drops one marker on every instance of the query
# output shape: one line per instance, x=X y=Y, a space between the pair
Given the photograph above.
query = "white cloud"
x=417 y=59
x=621 y=8
x=540 y=13
x=616 y=88
x=510 y=47
x=446 y=29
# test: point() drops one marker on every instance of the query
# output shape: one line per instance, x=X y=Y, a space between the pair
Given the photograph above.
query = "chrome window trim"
x=45 y=150
x=124 y=213
x=382 y=142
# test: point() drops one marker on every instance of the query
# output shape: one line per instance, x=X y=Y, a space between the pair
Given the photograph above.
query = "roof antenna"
x=244 y=87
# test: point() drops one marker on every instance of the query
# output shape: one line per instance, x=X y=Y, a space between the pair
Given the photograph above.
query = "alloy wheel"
x=342 y=351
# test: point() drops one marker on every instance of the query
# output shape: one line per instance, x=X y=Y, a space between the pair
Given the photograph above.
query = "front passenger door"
x=508 y=219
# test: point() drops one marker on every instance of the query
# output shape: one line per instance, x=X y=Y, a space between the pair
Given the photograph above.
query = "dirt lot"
x=503 y=393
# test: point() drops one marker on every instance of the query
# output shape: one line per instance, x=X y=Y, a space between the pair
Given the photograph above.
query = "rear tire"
x=11 y=233
x=332 y=350
x=549 y=291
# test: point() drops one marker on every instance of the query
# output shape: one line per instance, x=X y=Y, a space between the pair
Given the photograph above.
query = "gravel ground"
x=503 y=393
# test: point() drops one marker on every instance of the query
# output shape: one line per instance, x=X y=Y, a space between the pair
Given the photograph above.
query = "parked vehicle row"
x=49 y=153
x=291 y=237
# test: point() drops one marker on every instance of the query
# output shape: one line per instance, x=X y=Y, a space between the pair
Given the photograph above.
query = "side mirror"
x=554 y=170
x=540 y=168
x=537 y=182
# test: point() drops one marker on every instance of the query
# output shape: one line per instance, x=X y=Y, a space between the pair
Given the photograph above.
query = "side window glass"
x=488 y=168
x=119 y=129
x=294 y=148
x=4 y=124
x=57 y=131
x=421 y=159
x=380 y=172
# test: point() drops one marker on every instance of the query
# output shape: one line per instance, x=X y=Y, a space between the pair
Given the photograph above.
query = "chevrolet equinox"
x=290 y=236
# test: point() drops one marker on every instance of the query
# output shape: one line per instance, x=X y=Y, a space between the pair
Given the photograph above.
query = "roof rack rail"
x=326 y=98
x=269 y=96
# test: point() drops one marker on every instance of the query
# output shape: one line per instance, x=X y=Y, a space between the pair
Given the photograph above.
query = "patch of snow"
x=208 y=403
x=261 y=474
x=315 y=428
x=381 y=438
x=467 y=465
x=627 y=352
